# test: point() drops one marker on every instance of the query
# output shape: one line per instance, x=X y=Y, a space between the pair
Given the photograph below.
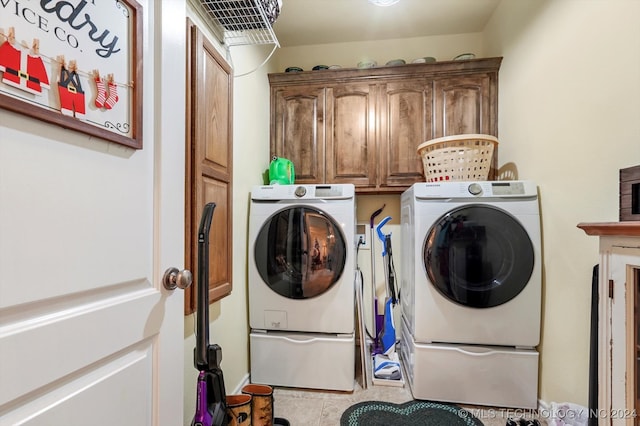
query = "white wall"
x=569 y=113
x=347 y=55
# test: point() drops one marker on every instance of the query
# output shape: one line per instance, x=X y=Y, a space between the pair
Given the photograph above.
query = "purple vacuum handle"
x=203 y=416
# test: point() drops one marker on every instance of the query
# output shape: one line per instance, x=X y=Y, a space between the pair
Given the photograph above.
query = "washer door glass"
x=300 y=252
x=478 y=256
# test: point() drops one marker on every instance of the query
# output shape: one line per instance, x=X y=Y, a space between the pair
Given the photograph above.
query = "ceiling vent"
x=244 y=22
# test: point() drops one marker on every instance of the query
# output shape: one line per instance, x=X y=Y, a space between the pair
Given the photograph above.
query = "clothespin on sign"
x=61 y=61
x=73 y=66
x=110 y=78
x=36 y=46
x=12 y=35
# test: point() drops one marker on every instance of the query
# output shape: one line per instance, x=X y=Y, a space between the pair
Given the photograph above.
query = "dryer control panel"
x=496 y=188
x=507 y=188
x=478 y=189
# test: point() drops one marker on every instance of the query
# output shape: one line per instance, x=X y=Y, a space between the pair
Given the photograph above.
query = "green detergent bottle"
x=281 y=171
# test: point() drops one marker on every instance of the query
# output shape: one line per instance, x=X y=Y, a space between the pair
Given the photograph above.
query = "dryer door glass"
x=300 y=252
x=478 y=256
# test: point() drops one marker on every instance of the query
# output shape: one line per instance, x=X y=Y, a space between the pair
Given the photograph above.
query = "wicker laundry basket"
x=458 y=157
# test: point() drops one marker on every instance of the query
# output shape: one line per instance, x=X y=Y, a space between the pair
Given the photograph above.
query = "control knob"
x=475 y=189
x=300 y=191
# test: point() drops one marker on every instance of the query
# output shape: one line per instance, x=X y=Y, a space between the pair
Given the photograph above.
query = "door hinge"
x=610 y=289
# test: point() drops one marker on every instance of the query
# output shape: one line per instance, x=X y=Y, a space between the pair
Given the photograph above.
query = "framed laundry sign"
x=74 y=63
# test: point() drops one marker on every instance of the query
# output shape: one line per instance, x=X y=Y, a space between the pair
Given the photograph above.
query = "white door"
x=88 y=334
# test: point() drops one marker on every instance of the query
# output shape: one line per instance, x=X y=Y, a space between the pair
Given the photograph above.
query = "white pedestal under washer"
x=301 y=285
x=471 y=277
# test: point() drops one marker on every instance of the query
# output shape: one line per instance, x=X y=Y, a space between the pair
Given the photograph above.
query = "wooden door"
x=209 y=159
x=466 y=105
x=405 y=122
x=351 y=135
x=88 y=334
x=297 y=130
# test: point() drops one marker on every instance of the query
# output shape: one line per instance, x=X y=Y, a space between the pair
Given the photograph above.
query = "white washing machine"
x=301 y=285
x=471 y=286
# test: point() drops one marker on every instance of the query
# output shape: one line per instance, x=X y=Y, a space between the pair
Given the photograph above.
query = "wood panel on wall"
x=209 y=163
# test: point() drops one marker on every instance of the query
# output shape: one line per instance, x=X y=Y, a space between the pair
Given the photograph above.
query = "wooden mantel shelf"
x=622 y=229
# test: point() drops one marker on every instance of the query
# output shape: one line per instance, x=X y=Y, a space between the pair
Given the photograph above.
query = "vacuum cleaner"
x=211 y=405
x=377 y=318
x=386 y=364
x=210 y=392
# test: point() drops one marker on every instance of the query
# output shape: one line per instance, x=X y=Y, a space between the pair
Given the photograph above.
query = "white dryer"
x=471 y=286
x=301 y=285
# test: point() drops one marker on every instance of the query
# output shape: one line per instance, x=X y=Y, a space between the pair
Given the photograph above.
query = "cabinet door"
x=209 y=161
x=466 y=105
x=405 y=122
x=351 y=142
x=297 y=130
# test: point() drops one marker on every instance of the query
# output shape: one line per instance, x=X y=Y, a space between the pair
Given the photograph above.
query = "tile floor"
x=324 y=408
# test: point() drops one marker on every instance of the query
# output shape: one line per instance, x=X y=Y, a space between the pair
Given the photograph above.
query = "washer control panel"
x=276 y=193
x=300 y=191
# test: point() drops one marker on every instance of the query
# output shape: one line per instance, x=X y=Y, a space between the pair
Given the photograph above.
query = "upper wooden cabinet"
x=364 y=126
x=406 y=111
x=350 y=133
x=466 y=104
x=298 y=133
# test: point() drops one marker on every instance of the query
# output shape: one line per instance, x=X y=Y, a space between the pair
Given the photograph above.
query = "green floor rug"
x=422 y=413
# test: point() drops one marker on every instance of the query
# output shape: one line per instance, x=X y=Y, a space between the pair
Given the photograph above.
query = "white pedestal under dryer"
x=471 y=291
x=301 y=286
